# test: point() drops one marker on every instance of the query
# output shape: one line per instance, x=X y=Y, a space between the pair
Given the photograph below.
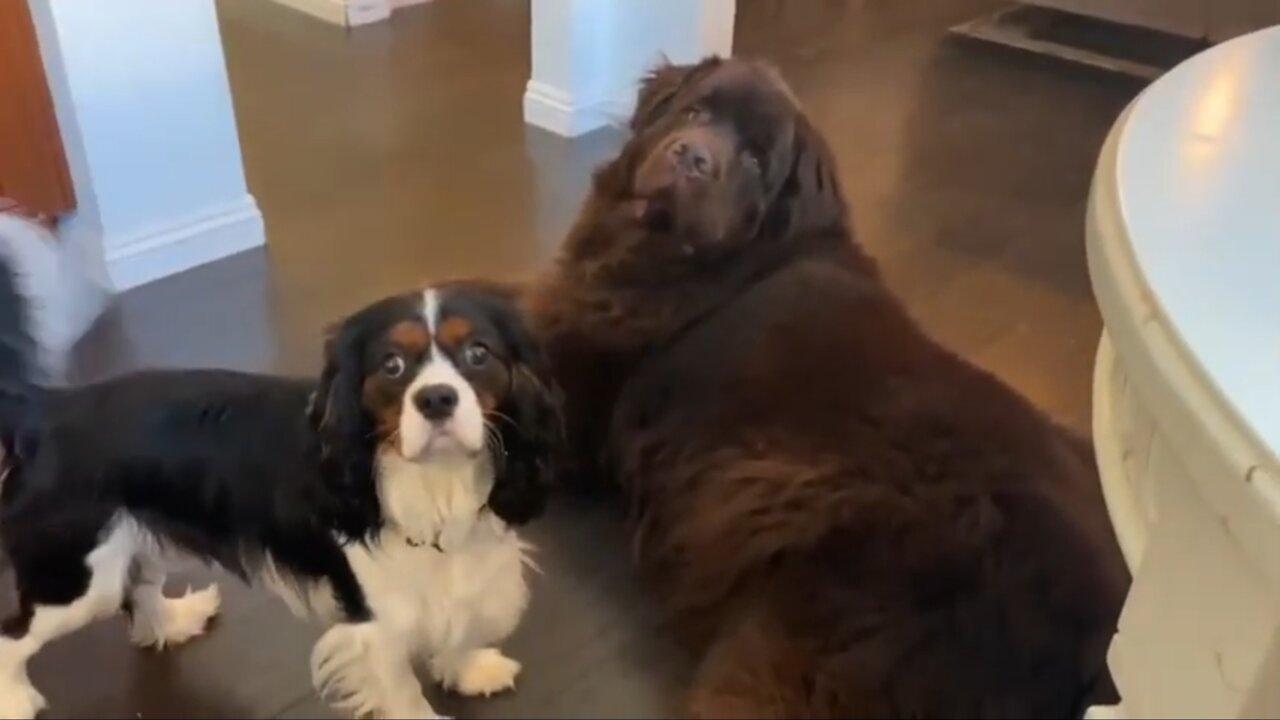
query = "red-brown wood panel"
x=33 y=167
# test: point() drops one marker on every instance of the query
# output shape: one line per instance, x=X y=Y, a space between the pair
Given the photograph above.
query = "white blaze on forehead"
x=465 y=430
x=431 y=310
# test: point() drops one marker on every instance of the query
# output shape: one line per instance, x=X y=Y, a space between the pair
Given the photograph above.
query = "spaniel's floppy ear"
x=529 y=423
x=345 y=429
x=660 y=86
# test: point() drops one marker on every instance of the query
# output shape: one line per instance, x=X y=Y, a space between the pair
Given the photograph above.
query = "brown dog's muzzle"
x=690 y=157
x=694 y=154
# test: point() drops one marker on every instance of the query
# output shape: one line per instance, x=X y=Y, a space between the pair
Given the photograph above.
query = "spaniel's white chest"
x=444 y=570
x=466 y=594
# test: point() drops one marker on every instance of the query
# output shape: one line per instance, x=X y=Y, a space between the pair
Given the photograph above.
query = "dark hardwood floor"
x=396 y=153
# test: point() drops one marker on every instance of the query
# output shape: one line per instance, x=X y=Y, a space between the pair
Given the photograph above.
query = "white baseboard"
x=344 y=12
x=619 y=110
x=363 y=12
x=350 y=12
x=550 y=108
x=334 y=11
x=198 y=240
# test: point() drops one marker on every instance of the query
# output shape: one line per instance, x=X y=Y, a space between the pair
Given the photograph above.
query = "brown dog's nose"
x=690 y=158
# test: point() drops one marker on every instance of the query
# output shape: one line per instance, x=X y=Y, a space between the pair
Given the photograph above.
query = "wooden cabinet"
x=33 y=167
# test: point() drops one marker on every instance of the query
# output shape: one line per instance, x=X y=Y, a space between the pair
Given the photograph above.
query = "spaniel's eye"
x=751 y=160
x=476 y=355
x=694 y=112
x=393 y=365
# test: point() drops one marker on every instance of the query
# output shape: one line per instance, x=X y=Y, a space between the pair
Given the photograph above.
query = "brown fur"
x=412 y=336
x=453 y=331
x=384 y=402
x=845 y=519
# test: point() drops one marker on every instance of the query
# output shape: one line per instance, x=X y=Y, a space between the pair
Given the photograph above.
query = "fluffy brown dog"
x=846 y=519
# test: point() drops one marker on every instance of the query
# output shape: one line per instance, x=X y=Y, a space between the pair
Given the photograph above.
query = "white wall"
x=588 y=55
x=140 y=89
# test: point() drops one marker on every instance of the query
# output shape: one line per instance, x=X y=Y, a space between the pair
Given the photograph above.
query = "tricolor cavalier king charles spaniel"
x=379 y=501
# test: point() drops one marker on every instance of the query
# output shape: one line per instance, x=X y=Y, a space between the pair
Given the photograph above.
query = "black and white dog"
x=378 y=500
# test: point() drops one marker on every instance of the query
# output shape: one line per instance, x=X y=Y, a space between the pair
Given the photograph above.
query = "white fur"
x=305 y=599
x=160 y=621
x=477 y=673
x=434 y=501
x=444 y=580
x=156 y=619
x=431 y=308
x=63 y=296
x=364 y=669
x=447 y=606
x=466 y=427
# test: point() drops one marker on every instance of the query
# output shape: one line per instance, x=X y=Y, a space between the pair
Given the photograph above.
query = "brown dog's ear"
x=662 y=84
x=810 y=200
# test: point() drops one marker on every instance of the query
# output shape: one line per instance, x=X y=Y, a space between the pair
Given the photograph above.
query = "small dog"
x=378 y=501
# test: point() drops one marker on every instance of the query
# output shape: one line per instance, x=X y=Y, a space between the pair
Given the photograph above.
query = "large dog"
x=846 y=519
x=378 y=501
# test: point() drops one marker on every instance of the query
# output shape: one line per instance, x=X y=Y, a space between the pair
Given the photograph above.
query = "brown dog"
x=846 y=519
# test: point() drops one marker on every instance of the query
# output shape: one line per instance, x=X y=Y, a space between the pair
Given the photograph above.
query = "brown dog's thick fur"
x=846 y=519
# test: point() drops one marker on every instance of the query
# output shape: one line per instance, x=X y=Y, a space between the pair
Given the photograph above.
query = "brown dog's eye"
x=751 y=160
x=476 y=355
x=393 y=365
x=694 y=112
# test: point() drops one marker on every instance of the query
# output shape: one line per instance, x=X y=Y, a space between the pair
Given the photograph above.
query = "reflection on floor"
x=395 y=153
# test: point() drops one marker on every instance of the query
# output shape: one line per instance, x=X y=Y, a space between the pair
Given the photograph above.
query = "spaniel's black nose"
x=436 y=402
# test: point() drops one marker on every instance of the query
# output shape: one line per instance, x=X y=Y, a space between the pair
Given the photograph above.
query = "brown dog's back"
x=854 y=522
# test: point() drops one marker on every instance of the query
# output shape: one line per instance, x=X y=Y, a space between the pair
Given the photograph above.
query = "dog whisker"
x=496 y=437
x=503 y=416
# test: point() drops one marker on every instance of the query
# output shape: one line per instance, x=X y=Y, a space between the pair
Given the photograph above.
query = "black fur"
x=528 y=419
x=17 y=357
x=340 y=419
x=225 y=465
x=17 y=350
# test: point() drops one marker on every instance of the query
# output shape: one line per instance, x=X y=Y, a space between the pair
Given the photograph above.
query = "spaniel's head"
x=445 y=373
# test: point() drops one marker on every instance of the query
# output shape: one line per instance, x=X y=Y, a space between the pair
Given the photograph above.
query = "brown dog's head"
x=721 y=155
